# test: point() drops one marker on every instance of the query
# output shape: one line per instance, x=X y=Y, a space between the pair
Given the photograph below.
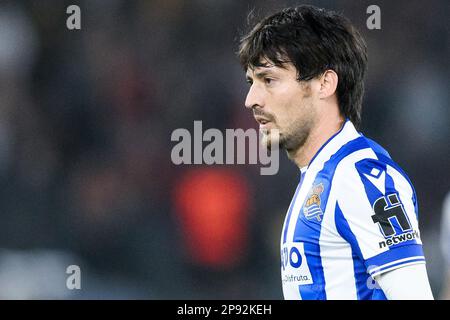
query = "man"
x=354 y=215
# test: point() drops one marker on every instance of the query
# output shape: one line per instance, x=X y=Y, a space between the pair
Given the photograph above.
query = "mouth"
x=261 y=120
x=264 y=124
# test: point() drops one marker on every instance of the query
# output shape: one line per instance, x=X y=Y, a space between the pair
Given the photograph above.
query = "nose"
x=254 y=97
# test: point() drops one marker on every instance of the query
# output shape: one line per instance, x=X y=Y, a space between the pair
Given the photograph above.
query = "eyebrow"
x=260 y=74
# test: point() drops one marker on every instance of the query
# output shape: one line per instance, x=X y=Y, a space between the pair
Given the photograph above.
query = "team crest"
x=312 y=209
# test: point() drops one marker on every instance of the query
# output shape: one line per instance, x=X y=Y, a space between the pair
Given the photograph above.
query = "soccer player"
x=354 y=214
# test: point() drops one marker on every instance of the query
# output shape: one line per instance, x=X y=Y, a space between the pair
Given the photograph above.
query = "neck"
x=320 y=134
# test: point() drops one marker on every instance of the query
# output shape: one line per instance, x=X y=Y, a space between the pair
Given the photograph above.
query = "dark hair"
x=313 y=40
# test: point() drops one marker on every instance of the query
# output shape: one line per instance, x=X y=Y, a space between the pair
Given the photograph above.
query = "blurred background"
x=86 y=118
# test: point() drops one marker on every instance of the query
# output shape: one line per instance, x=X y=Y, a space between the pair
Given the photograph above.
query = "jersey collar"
x=347 y=133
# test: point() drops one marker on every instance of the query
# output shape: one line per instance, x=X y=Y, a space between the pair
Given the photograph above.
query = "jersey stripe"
x=291 y=206
x=361 y=276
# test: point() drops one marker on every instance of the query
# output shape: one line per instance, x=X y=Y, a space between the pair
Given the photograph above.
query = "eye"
x=268 y=80
x=249 y=81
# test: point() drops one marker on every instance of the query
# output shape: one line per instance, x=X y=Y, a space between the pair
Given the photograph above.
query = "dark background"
x=86 y=118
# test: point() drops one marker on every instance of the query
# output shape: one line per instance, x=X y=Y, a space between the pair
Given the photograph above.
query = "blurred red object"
x=213 y=208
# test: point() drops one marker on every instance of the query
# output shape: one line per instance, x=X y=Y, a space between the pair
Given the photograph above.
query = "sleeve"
x=445 y=230
x=377 y=213
x=408 y=283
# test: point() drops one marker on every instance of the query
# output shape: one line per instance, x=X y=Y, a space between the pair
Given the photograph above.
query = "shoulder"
x=361 y=155
x=369 y=166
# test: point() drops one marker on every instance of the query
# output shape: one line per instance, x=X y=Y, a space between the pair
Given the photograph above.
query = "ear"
x=328 y=84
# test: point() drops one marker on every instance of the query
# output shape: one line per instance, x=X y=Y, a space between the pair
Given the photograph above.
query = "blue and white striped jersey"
x=353 y=216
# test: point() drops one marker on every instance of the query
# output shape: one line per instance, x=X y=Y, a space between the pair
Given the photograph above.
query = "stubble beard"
x=296 y=136
x=291 y=139
x=299 y=131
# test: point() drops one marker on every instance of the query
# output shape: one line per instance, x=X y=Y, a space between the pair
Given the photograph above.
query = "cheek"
x=292 y=111
x=289 y=105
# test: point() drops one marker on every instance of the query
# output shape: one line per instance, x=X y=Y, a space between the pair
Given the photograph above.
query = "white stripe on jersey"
x=336 y=256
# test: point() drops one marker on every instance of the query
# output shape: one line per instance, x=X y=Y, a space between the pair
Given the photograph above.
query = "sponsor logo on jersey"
x=393 y=221
x=399 y=239
x=294 y=267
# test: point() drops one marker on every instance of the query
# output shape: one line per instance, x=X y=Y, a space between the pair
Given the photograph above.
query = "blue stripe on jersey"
x=365 y=167
x=378 y=294
x=359 y=268
x=397 y=264
x=302 y=176
x=308 y=231
x=384 y=156
x=408 y=251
